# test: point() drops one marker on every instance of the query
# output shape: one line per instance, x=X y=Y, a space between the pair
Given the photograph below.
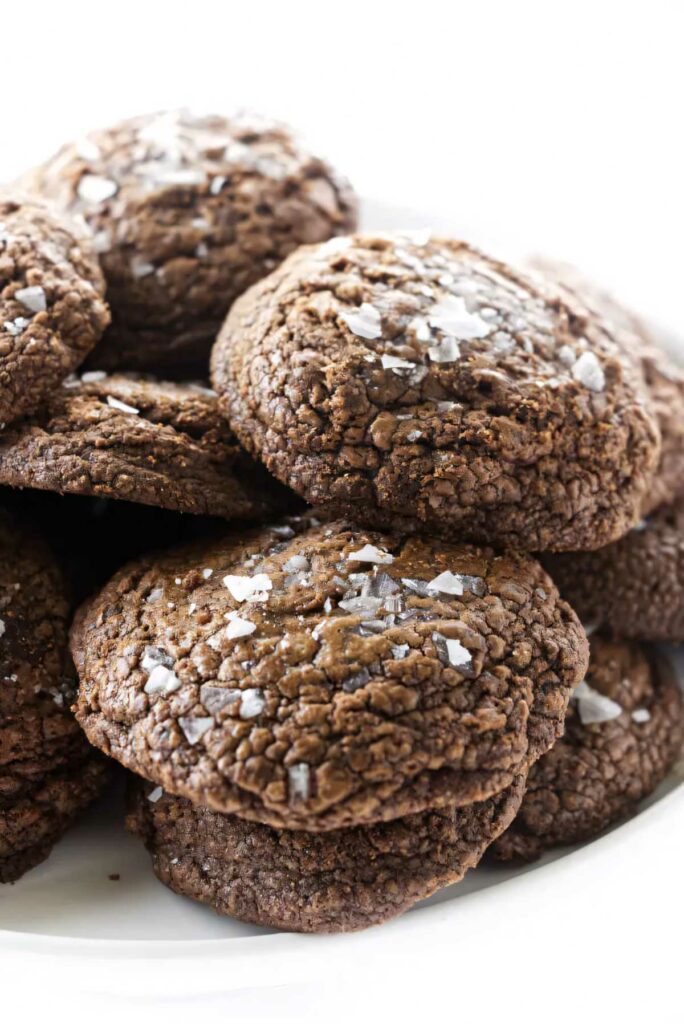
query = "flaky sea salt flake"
x=365 y=321
x=94 y=189
x=594 y=707
x=299 y=776
x=121 y=406
x=588 y=371
x=32 y=298
x=396 y=364
x=447 y=583
x=16 y=326
x=195 y=728
x=249 y=588
x=238 y=627
x=369 y=553
x=162 y=680
x=447 y=351
x=252 y=703
x=451 y=316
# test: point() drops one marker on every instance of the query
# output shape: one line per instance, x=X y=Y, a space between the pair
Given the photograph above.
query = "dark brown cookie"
x=52 y=310
x=141 y=440
x=429 y=386
x=633 y=588
x=331 y=678
x=336 y=881
x=623 y=732
x=188 y=212
x=664 y=378
x=48 y=771
x=31 y=825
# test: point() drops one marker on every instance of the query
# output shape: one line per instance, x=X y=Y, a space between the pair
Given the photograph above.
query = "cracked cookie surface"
x=188 y=212
x=48 y=770
x=633 y=588
x=146 y=441
x=424 y=385
x=322 y=676
x=623 y=732
x=335 y=881
x=663 y=376
x=52 y=308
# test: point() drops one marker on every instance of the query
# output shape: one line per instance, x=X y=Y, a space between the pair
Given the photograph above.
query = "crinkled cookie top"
x=322 y=676
x=420 y=382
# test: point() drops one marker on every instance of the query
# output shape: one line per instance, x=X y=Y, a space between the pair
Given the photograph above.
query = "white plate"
x=68 y=910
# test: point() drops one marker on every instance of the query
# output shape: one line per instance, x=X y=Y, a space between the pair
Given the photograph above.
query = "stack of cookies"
x=336 y=704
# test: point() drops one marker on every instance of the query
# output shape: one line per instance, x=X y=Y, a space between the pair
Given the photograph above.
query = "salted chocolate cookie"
x=52 y=310
x=337 y=881
x=140 y=440
x=633 y=588
x=664 y=377
x=327 y=677
x=48 y=770
x=188 y=212
x=623 y=732
x=428 y=386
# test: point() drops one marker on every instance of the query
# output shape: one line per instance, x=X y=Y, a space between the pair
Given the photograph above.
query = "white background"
x=556 y=127
x=540 y=127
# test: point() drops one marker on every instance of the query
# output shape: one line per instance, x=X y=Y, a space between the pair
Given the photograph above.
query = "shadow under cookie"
x=140 y=440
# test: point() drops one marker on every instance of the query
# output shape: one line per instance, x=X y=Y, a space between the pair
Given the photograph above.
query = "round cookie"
x=187 y=212
x=328 y=677
x=48 y=771
x=633 y=588
x=664 y=378
x=426 y=385
x=336 y=881
x=140 y=440
x=623 y=733
x=52 y=310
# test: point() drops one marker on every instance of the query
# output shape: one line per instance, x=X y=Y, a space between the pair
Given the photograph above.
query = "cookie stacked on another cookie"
x=184 y=212
x=140 y=440
x=634 y=587
x=623 y=733
x=422 y=384
x=48 y=770
x=625 y=726
x=387 y=694
x=327 y=718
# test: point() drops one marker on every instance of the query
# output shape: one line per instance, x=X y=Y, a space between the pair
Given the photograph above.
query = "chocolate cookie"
x=633 y=588
x=188 y=212
x=31 y=825
x=48 y=771
x=141 y=440
x=52 y=310
x=327 y=678
x=623 y=732
x=336 y=881
x=429 y=386
x=664 y=378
